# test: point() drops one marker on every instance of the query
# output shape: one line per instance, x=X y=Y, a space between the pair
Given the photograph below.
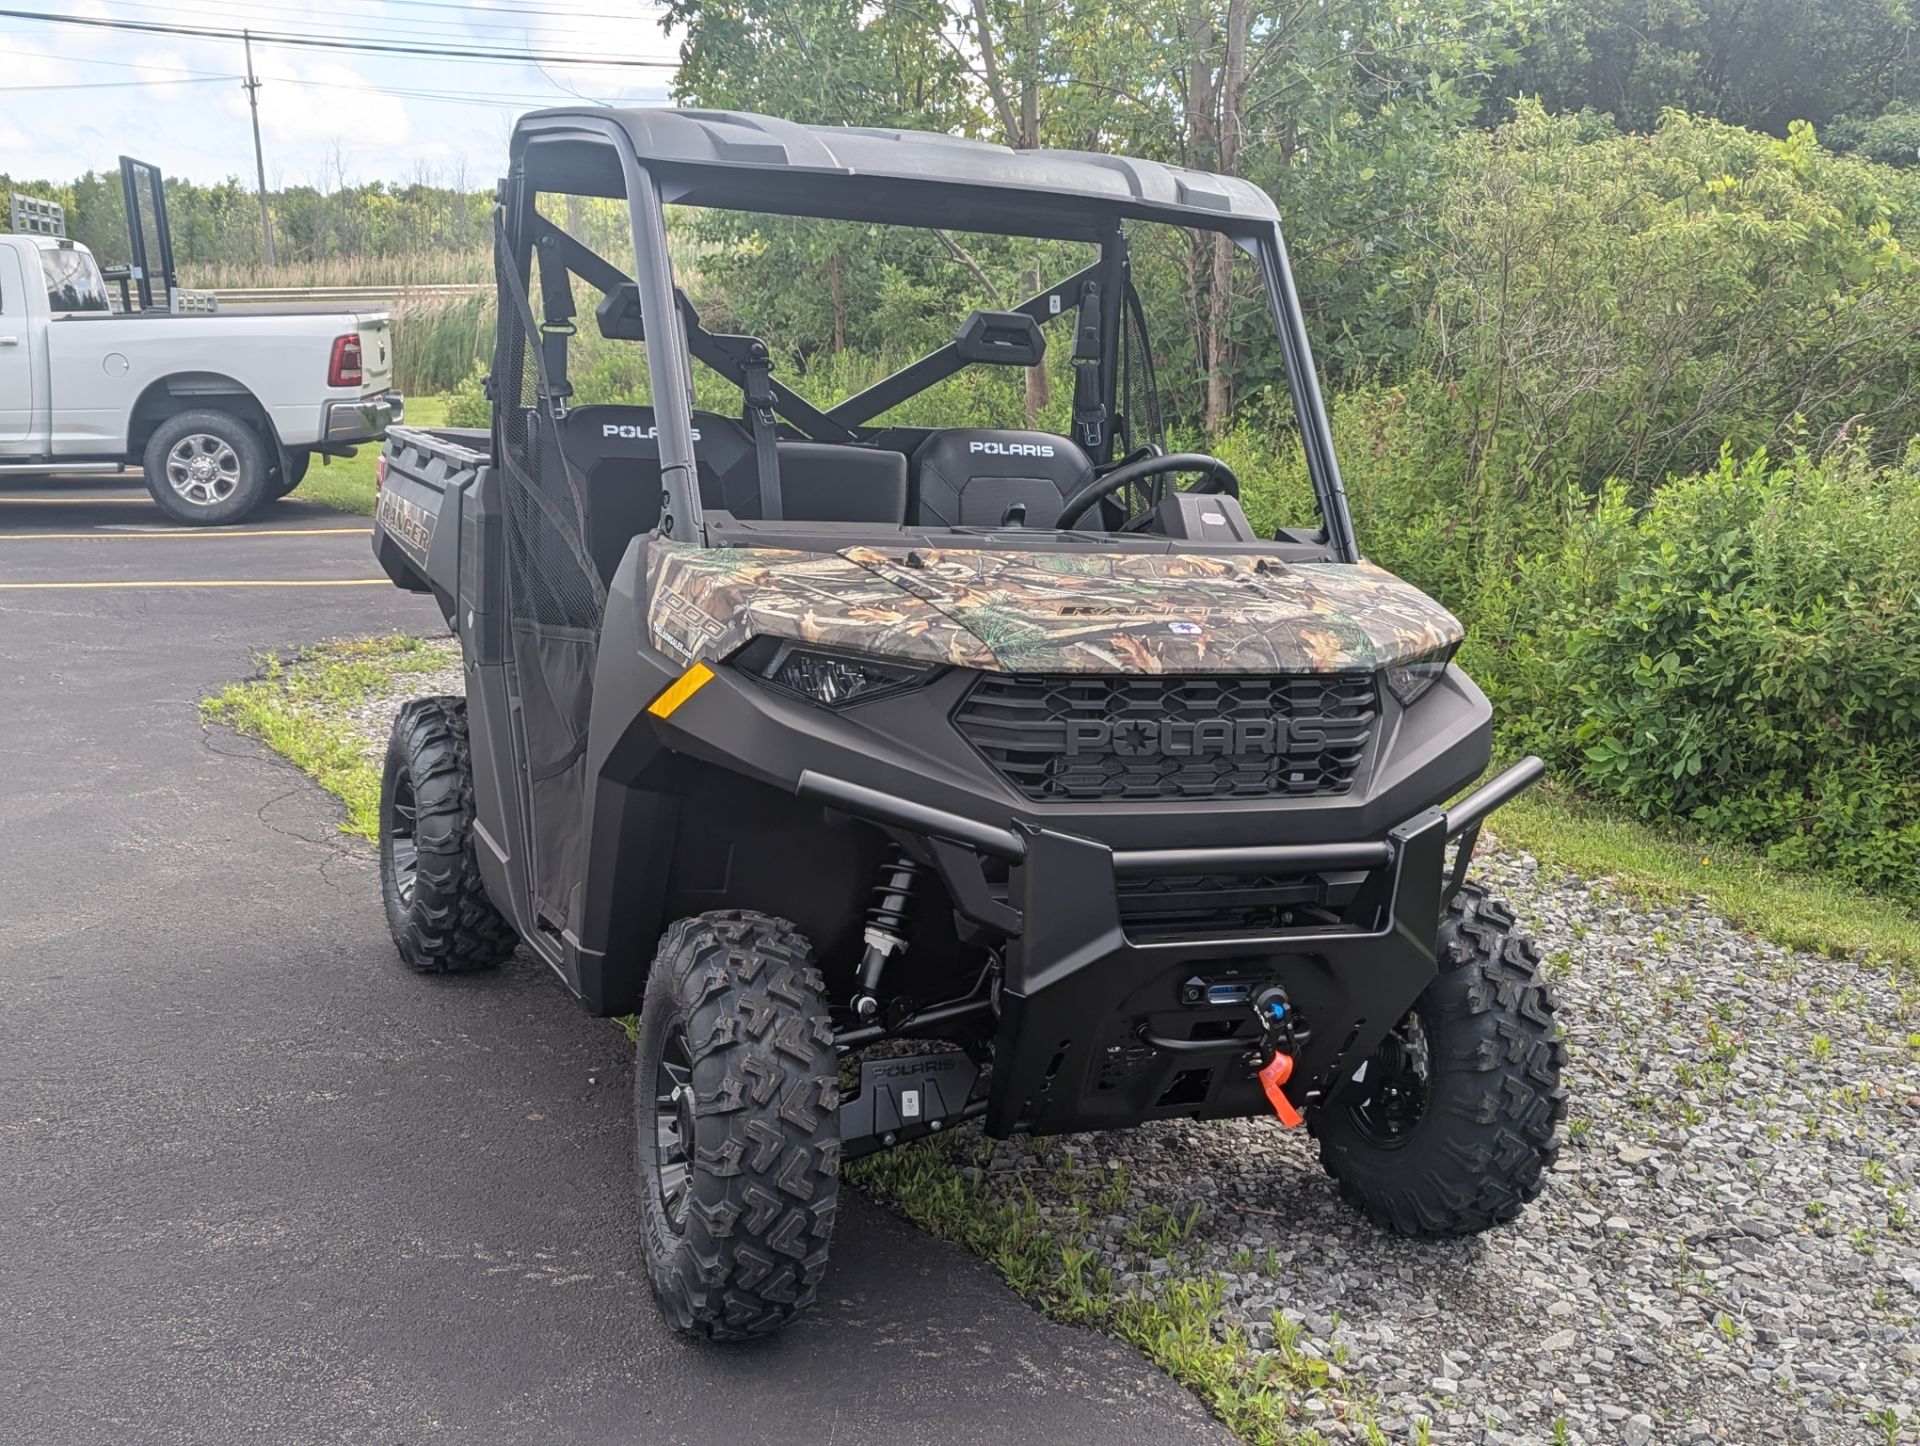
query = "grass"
x=943 y=1185
x=430 y=268
x=346 y=484
x=301 y=707
x=1796 y=910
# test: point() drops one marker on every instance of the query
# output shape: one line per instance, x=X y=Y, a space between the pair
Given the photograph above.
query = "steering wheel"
x=1216 y=477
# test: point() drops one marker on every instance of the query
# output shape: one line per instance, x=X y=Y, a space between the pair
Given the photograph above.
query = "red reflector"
x=344 y=370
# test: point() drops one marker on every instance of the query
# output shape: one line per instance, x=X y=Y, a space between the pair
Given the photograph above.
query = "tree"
x=1756 y=63
x=1265 y=93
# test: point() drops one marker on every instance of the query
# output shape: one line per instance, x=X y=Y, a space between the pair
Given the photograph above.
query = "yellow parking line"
x=198 y=582
x=63 y=500
x=190 y=532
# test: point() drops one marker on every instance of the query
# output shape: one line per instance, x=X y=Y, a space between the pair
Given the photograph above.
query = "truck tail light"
x=344 y=370
x=380 y=472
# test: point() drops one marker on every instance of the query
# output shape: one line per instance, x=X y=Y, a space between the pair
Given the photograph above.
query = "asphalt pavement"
x=260 y=1184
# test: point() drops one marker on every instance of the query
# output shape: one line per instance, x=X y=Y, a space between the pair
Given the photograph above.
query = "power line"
x=370 y=47
x=494 y=99
x=564 y=12
x=444 y=96
x=441 y=30
x=115 y=64
x=121 y=84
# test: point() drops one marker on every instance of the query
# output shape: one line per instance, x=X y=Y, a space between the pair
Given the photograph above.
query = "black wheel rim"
x=673 y=1129
x=1389 y=1098
x=403 y=849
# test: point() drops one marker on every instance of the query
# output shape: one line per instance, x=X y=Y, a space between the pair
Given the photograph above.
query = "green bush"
x=1744 y=653
x=467 y=404
x=1620 y=306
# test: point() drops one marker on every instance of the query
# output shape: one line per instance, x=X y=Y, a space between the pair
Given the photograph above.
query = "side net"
x=555 y=599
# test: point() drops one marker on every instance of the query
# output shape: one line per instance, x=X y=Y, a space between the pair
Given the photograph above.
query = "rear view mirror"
x=619 y=313
x=1000 y=338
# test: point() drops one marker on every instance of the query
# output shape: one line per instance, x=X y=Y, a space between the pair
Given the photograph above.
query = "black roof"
x=741 y=161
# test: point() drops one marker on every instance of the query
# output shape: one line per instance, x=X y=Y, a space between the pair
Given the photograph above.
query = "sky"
x=76 y=98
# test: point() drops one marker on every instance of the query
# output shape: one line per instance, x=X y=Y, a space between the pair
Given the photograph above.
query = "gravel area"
x=1725 y=1252
x=372 y=716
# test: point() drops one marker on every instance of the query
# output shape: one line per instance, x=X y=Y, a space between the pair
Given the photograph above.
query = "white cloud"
x=325 y=102
x=382 y=116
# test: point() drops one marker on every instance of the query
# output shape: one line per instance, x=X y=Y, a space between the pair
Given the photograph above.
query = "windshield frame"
x=650 y=186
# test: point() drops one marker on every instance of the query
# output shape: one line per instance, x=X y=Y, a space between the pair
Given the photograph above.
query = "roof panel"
x=739 y=159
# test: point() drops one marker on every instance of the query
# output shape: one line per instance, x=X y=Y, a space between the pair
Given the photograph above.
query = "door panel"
x=16 y=353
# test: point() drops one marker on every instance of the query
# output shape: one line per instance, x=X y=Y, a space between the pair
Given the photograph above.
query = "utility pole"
x=259 y=162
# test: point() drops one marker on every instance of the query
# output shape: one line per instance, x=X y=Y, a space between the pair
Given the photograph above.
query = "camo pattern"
x=1045 y=612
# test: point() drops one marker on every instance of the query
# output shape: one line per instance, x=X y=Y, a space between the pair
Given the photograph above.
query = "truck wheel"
x=1454 y=1122
x=736 y=1101
x=206 y=468
x=284 y=480
x=438 y=909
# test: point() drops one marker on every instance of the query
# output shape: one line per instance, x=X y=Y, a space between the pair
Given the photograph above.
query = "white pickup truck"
x=223 y=410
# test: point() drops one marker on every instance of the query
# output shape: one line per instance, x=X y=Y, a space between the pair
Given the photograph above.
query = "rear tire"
x=206 y=468
x=736 y=1107
x=1467 y=1146
x=437 y=907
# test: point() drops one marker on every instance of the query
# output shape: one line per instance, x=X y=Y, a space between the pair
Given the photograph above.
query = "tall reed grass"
x=437 y=339
x=432 y=268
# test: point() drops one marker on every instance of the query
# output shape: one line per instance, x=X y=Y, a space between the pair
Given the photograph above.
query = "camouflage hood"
x=1049 y=612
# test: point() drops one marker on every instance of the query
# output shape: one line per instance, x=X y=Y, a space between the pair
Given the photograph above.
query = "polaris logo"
x=907 y=1068
x=635 y=433
x=1208 y=737
x=1012 y=449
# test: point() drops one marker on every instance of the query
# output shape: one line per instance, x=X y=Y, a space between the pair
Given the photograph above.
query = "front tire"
x=437 y=907
x=1456 y=1121
x=736 y=1100
x=206 y=468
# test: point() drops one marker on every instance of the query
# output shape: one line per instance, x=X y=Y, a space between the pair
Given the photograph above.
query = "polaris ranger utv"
x=797 y=730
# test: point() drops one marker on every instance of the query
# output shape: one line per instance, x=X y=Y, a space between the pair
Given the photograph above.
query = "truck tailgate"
x=376 y=352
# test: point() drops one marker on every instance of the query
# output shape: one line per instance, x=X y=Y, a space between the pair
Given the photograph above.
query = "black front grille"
x=1211 y=904
x=1086 y=737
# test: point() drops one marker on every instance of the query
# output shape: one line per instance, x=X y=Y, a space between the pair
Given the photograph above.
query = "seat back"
x=828 y=482
x=969 y=477
x=616 y=451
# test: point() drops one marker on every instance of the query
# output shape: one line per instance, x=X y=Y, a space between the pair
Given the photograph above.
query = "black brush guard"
x=1100 y=1029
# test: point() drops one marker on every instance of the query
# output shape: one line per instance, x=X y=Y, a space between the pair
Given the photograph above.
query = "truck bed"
x=430 y=472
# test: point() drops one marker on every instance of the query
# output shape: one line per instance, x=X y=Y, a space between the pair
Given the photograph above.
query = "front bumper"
x=1102 y=1027
x=365 y=420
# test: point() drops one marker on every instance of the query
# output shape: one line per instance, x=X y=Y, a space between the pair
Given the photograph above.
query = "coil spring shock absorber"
x=887 y=929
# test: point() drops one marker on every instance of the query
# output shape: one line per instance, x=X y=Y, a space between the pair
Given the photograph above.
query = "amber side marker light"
x=681 y=689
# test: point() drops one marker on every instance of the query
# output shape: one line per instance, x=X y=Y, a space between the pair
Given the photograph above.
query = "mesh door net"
x=555 y=599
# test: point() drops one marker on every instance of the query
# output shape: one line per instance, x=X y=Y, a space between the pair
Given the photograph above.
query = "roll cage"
x=752 y=163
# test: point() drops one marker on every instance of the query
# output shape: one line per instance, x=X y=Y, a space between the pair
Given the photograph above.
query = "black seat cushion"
x=969 y=477
x=616 y=451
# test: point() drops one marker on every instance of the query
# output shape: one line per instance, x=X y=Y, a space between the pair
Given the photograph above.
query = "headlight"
x=1407 y=681
x=822 y=675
